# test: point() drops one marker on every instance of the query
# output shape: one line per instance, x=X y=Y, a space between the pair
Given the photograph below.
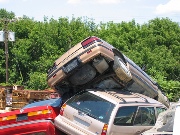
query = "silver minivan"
x=106 y=112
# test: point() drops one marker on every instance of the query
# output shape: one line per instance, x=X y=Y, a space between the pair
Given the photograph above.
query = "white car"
x=176 y=127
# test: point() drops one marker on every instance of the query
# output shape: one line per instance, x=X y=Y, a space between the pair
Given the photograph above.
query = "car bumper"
x=70 y=129
x=84 y=57
x=46 y=127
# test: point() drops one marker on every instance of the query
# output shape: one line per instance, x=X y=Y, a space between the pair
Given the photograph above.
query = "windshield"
x=56 y=102
x=92 y=105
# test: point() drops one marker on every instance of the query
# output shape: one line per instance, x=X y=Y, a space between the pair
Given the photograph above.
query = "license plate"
x=70 y=66
x=21 y=117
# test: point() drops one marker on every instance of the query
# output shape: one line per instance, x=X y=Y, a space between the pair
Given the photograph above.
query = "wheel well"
x=118 y=53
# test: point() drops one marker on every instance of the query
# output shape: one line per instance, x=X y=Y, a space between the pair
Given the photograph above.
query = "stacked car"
x=111 y=112
x=94 y=63
x=104 y=92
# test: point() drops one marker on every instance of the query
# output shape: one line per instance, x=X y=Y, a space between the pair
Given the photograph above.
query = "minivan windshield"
x=92 y=105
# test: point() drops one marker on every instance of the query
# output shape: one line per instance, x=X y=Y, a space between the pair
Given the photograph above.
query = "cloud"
x=108 y=1
x=74 y=1
x=4 y=1
x=94 y=1
x=171 y=6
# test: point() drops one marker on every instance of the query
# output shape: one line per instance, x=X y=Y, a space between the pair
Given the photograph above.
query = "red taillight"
x=54 y=75
x=62 y=109
x=40 y=114
x=104 y=130
x=8 y=119
x=89 y=41
x=89 y=51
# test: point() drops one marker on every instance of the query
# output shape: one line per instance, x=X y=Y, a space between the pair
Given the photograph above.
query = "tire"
x=121 y=70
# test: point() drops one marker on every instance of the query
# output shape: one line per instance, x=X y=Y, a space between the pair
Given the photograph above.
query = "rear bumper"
x=70 y=128
x=84 y=57
x=29 y=127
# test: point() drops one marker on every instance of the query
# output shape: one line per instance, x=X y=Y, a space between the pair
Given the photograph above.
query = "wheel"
x=121 y=70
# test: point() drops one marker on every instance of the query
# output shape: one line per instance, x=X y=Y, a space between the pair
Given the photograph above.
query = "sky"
x=97 y=10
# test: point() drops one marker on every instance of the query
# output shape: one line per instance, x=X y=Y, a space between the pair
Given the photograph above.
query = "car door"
x=133 y=120
x=144 y=119
x=123 y=121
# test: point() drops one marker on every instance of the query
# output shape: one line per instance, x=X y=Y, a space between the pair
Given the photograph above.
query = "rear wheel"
x=121 y=70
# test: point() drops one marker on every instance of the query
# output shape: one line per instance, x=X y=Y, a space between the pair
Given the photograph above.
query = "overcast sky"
x=99 y=10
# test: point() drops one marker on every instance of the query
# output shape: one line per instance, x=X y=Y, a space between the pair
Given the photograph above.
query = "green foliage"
x=172 y=89
x=155 y=44
x=5 y=14
x=36 y=81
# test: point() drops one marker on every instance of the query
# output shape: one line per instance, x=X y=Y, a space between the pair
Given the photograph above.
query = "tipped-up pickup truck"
x=94 y=63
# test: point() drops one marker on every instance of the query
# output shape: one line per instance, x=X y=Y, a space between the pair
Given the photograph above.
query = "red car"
x=33 y=119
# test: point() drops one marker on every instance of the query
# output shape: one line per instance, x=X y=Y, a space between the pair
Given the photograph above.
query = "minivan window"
x=92 y=105
x=125 y=116
x=145 y=116
x=159 y=110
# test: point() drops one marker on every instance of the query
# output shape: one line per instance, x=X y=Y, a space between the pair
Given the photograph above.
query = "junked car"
x=33 y=119
x=108 y=112
x=93 y=62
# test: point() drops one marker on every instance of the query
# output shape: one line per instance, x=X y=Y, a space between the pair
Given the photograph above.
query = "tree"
x=5 y=14
x=155 y=44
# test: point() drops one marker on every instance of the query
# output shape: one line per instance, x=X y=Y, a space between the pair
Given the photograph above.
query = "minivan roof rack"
x=114 y=94
x=136 y=94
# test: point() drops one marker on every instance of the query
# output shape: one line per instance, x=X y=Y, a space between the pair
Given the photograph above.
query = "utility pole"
x=5 y=37
x=6 y=48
